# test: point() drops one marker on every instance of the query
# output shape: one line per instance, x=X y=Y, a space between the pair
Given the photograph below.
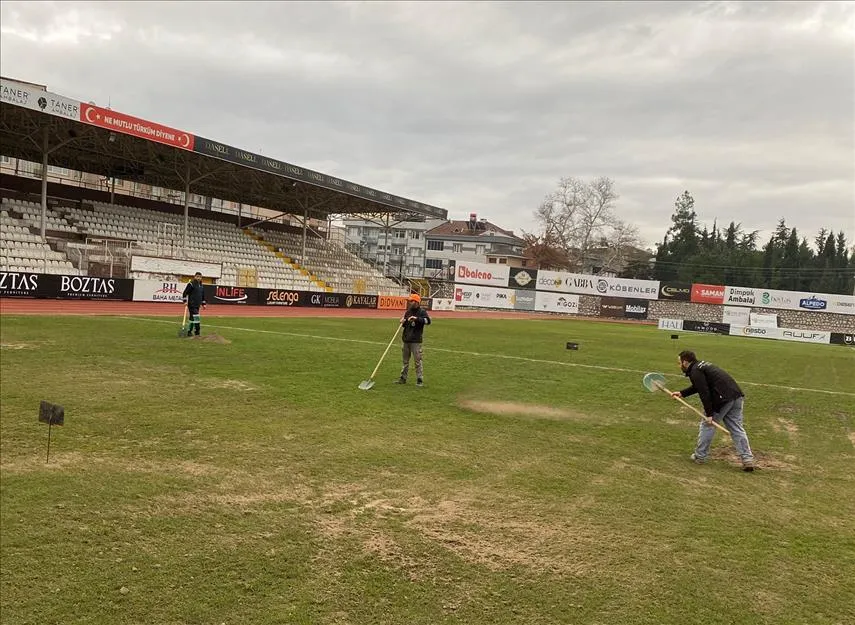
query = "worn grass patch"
x=196 y=484
x=518 y=409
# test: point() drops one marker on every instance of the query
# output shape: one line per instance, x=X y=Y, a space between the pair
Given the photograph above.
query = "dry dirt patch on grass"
x=497 y=535
x=785 y=425
x=234 y=385
x=518 y=409
x=17 y=346
x=93 y=461
x=212 y=338
x=762 y=460
x=36 y=462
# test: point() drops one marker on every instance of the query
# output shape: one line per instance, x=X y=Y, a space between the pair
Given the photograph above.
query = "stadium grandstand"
x=88 y=190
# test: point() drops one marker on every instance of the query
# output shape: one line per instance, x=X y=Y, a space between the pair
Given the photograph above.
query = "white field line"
x=481 y=355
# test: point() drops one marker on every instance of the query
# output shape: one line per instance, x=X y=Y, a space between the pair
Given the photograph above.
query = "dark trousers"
x=195 y=320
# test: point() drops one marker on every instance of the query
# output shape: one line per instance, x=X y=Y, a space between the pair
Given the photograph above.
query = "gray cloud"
x=484 y=106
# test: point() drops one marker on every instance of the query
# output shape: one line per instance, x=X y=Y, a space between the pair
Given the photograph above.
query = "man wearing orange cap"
x=414 y=321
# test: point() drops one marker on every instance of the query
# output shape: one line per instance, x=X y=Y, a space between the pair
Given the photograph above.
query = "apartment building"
x=473 y=240
x=401 y=249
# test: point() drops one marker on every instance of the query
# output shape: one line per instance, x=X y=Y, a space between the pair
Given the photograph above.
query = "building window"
x=491 y=261
x=503 y=261
x=479 y=250
x=415 y=234
x=400 y=234
x=433 y=263
x=436 y=246
x=458 y=248
x=525 y=263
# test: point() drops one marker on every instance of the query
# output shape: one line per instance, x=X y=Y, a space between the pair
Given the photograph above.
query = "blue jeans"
x=730 y=416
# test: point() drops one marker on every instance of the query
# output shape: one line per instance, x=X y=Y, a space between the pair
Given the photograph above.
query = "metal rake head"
x=653 y=382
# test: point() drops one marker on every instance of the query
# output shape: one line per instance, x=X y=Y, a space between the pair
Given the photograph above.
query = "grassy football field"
x=249 y=481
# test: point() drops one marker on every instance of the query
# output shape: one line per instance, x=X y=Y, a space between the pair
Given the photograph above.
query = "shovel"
x=656 y=382
x=184 y=330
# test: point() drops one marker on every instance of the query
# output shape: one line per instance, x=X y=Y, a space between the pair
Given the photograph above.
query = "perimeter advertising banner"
x=50 y=286
x=556 y=302
x=85 y=287
x=443 y=304
x=840 y=338
x=216 y=294
x=707 y=294
x=360 y=301
x=522 y=278
x=597 y=285
x=790 y=300
x=157 y=291
x=675 y=291
x=736 y=314
x=623 y=308
x=481 y=274
x=783 y=334
x=483 y=297
x=281 y=297
x=525 y=299
x=324 y=300
x=391 y=302
x=670 y=324
x=707 y=327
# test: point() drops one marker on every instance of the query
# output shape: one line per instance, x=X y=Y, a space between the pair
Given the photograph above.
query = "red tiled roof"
x=460 y=227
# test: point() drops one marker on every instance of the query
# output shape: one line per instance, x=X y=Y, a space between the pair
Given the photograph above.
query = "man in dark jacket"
x=194 y=297
x=414 y=321
x=722 y=400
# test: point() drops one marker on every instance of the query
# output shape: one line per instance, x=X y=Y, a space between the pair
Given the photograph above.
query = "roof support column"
x=45 y=152
x=386 y=248
x=186 y=205
x=305 y=224
x=113 y=192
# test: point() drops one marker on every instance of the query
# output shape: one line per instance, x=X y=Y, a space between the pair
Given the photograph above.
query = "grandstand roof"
x=88 y=138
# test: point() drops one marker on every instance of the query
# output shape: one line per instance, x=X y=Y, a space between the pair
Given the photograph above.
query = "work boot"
x=420 y=382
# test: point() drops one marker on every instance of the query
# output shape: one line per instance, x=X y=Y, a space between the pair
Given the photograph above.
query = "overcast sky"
x=482 y=107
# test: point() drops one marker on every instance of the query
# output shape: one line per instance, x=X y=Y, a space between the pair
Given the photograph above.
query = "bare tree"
x=619 y=245
x=578 y=215
x=545 y=251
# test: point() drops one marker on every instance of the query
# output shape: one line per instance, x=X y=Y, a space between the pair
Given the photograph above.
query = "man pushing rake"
x=722 y=400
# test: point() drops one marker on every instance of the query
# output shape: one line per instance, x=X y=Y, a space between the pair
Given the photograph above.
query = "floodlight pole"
x=45 y=151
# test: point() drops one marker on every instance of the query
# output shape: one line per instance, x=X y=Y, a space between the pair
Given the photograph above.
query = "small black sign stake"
x=52 y=414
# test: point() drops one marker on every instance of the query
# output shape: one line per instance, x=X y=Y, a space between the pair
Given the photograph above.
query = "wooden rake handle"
x=692 y=408
x=384 y=353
